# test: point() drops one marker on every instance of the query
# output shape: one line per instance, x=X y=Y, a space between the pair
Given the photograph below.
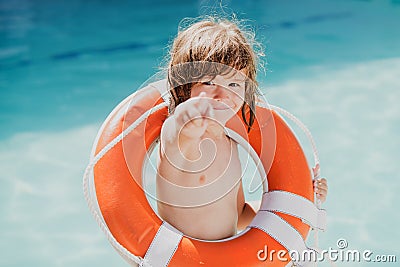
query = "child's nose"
x=216 y=91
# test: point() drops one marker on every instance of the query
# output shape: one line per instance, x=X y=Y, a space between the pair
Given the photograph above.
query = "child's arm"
x=245 y=217
x=245 y=211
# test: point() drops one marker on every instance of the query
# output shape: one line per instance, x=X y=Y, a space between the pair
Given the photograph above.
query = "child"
x=212 y=74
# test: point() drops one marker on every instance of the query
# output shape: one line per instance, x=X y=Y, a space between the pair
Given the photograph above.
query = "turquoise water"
x=64 y=65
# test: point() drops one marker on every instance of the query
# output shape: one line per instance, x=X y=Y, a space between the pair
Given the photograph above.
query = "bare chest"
x=218 y=161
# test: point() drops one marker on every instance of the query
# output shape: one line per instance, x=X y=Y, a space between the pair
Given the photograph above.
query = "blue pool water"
x=64 y=65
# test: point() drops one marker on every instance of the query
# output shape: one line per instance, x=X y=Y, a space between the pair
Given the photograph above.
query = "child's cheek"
x=239 y=100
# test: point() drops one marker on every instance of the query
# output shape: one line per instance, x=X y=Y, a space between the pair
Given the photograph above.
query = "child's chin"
x=219 y=122
x=223 y=116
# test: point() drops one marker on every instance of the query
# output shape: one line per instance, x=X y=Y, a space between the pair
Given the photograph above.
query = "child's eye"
x=208 y=83
x=236 y=85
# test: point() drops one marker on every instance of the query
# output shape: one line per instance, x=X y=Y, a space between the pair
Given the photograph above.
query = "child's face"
x=226 y=93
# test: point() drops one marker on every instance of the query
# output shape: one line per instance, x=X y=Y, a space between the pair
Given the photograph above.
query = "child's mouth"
x=219 y=105
x=224 y=107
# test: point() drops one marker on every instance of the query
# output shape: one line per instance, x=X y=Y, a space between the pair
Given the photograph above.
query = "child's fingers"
x=201 y=106
x=321 y=183
x=187 y=110
x=321 y=194
x=183 y=118
x=193 y=113
x=323 y=180
x=209 y=111
x=321 y=191
x=193 y=117
x=204 y=106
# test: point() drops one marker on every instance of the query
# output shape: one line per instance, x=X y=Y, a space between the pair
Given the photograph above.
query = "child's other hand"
x=321 y=188
x=192 y=116
x=320 y=185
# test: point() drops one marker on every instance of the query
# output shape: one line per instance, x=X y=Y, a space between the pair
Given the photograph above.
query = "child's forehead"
x=233 y=74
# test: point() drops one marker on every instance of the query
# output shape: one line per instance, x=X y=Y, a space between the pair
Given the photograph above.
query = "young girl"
x=212 y=75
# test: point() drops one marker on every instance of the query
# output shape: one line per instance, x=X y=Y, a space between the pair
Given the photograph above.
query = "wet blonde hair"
x=212 y=40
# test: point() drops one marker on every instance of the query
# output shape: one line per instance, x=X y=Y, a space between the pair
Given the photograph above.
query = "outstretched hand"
x=192 y=116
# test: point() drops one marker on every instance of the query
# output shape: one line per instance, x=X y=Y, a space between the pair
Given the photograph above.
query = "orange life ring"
x=132 y=221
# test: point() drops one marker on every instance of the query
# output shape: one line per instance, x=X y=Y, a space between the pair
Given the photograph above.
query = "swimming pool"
x=65 y=65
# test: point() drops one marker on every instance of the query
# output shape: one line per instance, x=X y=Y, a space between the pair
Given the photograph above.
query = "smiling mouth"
x=221 y=106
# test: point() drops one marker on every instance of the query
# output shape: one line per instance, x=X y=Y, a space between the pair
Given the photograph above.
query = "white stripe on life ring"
x=163 y=246
x=282 y=232
x=295 y=205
